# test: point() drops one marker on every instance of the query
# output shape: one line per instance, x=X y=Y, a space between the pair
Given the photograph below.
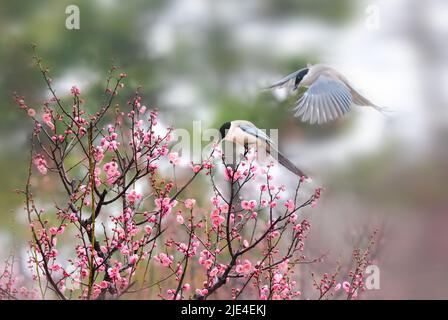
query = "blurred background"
x=207 y=60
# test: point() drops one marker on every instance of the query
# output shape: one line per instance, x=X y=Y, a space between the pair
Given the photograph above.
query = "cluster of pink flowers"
x=217 y=218
x=122 y=236
x=290 y=205
x=10 y=284
x=244 y=267
x=248 y=205
x=133 y=197
x=174 y=158
x=345 y=286
x=98 y=154
x=40 y=163
x=75 y=91
x=112 y=172
x=164 y=259
x=165 y=205
x=232 y=175
x=206 y=259
x=48 y=120
x=110 y=142
x=190 y=203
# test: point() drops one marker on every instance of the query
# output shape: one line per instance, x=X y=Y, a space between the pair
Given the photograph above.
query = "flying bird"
x=329 y=95
x=246 y=134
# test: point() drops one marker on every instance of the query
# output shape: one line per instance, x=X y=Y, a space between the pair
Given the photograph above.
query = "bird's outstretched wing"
x=288 y=80
x=325 y=100
x=254 y=131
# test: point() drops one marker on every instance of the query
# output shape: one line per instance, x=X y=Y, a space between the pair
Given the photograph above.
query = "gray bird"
x=329 y=95
x=246 y=134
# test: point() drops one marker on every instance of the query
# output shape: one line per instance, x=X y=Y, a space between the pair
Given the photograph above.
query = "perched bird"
x=328 y=97
x=247 y=134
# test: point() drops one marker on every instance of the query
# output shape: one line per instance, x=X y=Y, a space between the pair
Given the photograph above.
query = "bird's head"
x=223 y=129
x=300 y=76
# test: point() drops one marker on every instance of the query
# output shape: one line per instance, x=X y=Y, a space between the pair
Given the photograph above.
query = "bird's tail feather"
x=363 y=101
x=385 y=111
x=289 y=165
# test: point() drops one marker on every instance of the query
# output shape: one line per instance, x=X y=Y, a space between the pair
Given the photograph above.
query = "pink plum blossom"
x=47 y=119
x=75 y=91
x=174 y=158
x=290 y=205
x=189 y=203
x=112 y=172
x=180 y=219
x=165 y=205
x=248 y=205
x=31 y=112
x=40 y=163
x=346 y=286
x=133 y=197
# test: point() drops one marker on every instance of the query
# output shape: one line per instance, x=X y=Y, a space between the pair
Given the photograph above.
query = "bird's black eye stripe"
x=223 y=129
x=300 y=76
